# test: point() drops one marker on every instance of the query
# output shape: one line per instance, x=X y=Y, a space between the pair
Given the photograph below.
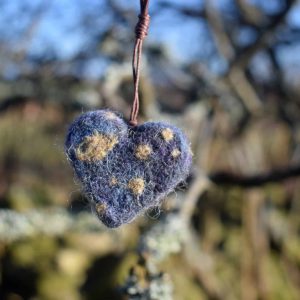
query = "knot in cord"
x=142 y=27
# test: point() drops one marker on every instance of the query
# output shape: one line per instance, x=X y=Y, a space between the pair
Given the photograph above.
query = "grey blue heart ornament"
x=125 y=170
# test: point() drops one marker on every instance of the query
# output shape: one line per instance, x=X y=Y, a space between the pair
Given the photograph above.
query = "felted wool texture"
x=125 y=170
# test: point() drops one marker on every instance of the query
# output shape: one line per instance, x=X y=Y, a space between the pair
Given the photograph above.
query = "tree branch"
x=223 y=178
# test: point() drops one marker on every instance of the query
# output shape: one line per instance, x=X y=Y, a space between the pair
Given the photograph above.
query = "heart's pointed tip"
x=111 y=216
x=112 y=223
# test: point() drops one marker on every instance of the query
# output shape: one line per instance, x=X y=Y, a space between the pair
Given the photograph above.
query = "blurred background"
x=228 y=73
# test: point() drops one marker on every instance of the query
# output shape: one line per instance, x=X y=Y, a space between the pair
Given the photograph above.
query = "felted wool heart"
x=125 y=170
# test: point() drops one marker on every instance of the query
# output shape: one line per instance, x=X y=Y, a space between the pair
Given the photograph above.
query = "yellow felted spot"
x=95 y=147
x=143 y=151
x=175 y=153
x=110 y=115
x=136 y=185
x=113 y=181
x=167 y=134
x=100 y=208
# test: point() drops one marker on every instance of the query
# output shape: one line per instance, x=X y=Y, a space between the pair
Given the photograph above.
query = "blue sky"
x=56 y=28
x=186 y=38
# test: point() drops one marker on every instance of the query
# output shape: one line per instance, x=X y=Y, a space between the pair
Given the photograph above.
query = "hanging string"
x=141 y=31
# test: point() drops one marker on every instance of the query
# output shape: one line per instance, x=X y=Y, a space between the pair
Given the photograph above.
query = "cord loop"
x=141 y=31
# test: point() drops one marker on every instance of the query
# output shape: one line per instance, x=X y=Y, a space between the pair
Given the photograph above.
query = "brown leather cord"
x=141 y=31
